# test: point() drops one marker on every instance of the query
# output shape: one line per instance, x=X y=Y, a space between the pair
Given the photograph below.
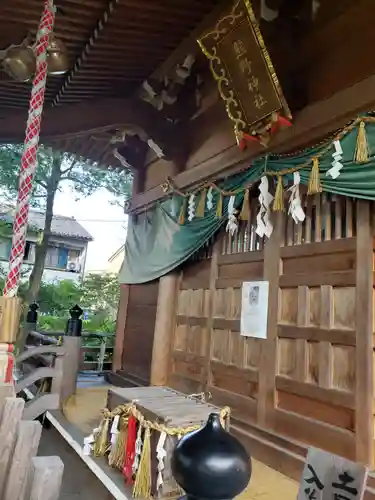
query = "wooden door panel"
x=139 y=330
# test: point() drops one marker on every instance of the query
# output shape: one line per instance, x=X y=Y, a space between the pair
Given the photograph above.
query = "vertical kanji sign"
x=243 y=69
x=330 y=477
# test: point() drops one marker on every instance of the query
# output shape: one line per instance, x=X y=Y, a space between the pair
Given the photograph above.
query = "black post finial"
x=32 y=313
x=210 y=463
x=74 y=323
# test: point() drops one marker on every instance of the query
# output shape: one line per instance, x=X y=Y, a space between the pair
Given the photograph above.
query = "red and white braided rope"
x=29 y=158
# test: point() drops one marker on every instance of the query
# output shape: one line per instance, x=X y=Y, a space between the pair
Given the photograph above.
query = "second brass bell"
x=57 y=58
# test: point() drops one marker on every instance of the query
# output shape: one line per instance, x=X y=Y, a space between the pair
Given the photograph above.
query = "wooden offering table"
x=172 y=410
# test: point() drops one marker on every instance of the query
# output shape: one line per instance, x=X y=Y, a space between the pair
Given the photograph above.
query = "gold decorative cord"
x=171 y=189
x=130 y=409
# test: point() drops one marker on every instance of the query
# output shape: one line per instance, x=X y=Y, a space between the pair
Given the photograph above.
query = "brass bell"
x=19 y=62
x=57 y=58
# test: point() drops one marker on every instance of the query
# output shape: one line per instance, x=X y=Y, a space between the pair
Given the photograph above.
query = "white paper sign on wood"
x=254 y=309
x=330 y=477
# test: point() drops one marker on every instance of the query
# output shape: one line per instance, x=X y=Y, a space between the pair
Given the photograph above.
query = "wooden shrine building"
x=275 y=184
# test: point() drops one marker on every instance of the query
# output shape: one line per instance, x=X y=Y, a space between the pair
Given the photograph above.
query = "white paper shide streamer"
x=191 y=207
x=334 y=171
x=88 y=442
x=210 y=199
x=138 y=450
x=295 y=207
x=232 y=224
x=115 y=430
x=264 y=226
x=161 y=453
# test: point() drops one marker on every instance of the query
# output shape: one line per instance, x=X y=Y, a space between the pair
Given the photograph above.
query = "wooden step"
x=123 y=379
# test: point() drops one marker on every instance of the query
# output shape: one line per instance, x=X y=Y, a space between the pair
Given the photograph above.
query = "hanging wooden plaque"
x=242 y=67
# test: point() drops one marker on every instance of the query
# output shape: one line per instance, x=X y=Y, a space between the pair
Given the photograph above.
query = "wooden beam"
x=122 y=314
x=311 y=124
x=190 y=45
x=364 y=418
x=268 y=360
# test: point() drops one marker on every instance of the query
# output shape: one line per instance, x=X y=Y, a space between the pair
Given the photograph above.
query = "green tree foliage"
x=55 y=299
x=54 y=170
x=101 y=292
x=97 y=294
x=83 y=178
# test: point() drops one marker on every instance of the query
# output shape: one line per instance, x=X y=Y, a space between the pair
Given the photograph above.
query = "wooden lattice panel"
x=311 y=378
x=190 y=339
x=316 y=353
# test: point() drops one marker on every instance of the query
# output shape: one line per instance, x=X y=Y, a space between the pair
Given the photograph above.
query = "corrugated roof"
x=61 y=225
x=113 y=45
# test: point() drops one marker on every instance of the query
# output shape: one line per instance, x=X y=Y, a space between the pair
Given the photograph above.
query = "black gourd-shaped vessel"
x=210 y=463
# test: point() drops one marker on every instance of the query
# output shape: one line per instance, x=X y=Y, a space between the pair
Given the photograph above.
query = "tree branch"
x=70 y=168
x=41 y=183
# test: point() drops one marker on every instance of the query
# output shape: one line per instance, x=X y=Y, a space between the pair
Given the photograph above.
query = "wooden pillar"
x=164 y=327
x=364 y=394
x=120 y=327
x=267 y=371
x=71 y=366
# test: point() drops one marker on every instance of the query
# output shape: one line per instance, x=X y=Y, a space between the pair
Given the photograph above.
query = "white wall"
x=49 y=275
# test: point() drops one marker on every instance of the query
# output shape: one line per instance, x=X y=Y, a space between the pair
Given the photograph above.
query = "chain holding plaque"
x=246 y=78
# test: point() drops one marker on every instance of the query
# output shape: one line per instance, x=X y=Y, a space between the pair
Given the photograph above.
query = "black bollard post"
x=74 y=323
x=72 y=358
x=30 y=324
x=32 y=314
x=211 y=464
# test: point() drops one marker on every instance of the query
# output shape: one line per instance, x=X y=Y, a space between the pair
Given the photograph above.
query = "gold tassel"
x=117 y=456
x=314 y=180
x=245 y=212
x=362 y=150
x=142 y=484
x=181 y=218
x=278 y=202
x=101 y=439
x=202 y=204
x=219 y=208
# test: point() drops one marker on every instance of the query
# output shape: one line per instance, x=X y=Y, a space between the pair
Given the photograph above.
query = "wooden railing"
x=46 y=372
x=95 y=358
x=328 y=217
x=51 y=357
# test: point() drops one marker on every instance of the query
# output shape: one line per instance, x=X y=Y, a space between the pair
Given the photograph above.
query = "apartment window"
x=27 y=253
x=52 y=257
x=5 y=247
x=62 y=258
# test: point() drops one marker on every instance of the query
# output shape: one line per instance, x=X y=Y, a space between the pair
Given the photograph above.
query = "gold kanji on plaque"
x=245 y=75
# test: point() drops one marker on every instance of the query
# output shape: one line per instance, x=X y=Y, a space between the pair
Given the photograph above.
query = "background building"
x=115 y=261
x=67 y=249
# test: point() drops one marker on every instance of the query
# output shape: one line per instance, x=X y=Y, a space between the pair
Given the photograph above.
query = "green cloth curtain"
x=156 y=243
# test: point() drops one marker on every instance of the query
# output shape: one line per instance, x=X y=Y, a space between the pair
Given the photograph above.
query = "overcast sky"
x=105 y=222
